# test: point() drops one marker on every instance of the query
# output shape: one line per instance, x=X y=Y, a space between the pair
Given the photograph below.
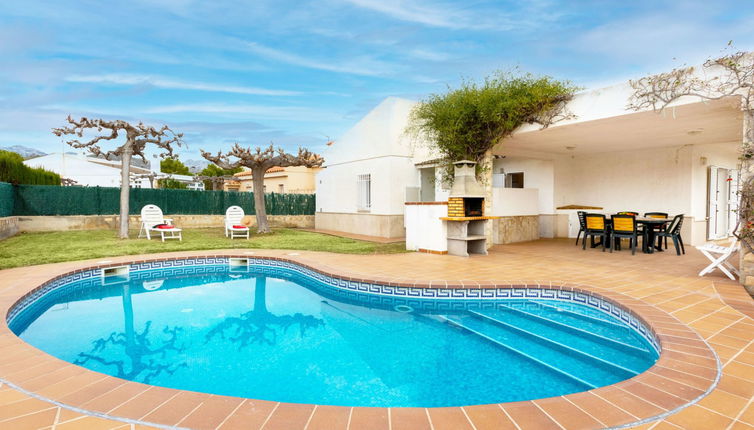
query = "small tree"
x=467 y=122
x=171 y=184
x=214 y=177
x=174 y=165
x=259 y=161
x=137 y=137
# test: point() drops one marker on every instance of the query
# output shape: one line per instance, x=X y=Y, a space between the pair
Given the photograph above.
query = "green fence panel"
x=6 y=199
x=54 y=200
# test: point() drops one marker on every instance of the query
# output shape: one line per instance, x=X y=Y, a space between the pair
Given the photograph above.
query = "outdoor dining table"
x=649 y=227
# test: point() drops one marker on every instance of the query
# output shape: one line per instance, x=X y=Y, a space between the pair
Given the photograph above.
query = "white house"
x=609 y=158
x=87 y=171
x=362 y=188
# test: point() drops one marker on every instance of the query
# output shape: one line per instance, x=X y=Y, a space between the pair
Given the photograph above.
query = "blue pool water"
x=278 y=335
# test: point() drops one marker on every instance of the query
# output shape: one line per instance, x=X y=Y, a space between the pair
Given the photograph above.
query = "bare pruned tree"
x=137 y=137
x=259 y=161
x=730 y=76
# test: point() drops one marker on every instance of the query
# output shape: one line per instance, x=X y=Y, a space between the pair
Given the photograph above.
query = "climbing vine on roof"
x=466 y=122
x=730 y=77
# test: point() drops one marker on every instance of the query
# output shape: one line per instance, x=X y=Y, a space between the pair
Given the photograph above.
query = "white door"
x=711 y=203
x=733 y=196
x=721 y=201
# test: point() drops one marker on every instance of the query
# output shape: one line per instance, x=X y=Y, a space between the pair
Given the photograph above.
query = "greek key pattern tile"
x=424 y=298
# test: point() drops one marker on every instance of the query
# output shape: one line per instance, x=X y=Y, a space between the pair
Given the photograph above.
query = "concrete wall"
x=641 y=181
x=424 y=228
x=103 y=222
x=538 y=174
x=389 y=226
x=8 y=227
x=512 y=229
x=515 y=201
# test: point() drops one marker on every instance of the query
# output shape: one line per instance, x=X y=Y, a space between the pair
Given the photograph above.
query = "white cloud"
x=291 y=113
x=363 y=65
x=663 y=40
x=428 y=55
x=462 y=15
x=161 y=82
x=434 y=16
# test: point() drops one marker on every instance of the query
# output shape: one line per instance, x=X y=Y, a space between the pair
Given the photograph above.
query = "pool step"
x=610 y=353
x=586 y=367
x=621 y=346
x=614 y=330
x=577 y=315
x=455 y=322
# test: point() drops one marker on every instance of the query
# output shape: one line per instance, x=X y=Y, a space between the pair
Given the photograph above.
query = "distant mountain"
x=23 y=151
x=196 y=166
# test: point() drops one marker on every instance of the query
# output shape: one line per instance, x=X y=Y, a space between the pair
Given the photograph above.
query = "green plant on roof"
x=466 y=122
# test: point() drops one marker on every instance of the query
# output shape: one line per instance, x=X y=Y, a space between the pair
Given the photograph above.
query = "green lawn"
x=28 y=249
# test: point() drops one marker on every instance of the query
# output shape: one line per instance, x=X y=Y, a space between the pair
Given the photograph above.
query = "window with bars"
x=364 y=187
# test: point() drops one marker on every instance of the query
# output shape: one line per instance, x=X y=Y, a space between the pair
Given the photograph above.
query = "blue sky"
x=300 y=72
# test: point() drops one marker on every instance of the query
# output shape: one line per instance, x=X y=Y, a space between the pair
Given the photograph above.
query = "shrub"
x=170 y=183
x=14 y=171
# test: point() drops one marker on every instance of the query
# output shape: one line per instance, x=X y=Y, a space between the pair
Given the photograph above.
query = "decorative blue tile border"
x=425 y=298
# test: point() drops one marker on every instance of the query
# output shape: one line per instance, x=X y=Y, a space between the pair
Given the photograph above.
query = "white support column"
x=490 y=225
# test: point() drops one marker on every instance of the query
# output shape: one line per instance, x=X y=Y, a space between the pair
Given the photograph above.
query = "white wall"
x=424 y=229
x=642 y=181
x=381 y=132
x=79 y=169
x=377 y=145
x=515 y=201
x=337 y=192
x=538 y=174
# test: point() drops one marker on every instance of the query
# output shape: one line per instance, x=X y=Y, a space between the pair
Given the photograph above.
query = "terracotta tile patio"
x=692 y=318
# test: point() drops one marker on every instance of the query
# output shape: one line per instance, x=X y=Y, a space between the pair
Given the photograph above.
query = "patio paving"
x=664 y=288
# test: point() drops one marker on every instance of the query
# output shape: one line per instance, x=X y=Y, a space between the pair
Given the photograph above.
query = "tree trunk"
x=125 y=188
x=260 y=302
x=258 y=181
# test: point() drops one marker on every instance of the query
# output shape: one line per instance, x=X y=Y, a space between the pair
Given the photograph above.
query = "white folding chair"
x=233 y=227
x=719 y=255
x=151 y=216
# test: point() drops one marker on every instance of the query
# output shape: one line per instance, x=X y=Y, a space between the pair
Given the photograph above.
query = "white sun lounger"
x=719 y=255
x=151 y=216
x=233 y=218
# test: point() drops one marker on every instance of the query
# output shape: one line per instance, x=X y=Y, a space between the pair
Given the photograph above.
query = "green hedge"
x=13 y=170
x=33 y=200
x=6 y=199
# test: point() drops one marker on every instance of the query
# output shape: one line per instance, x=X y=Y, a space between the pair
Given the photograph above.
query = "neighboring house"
x=88 y=171
x=684 y=161
x=292 y=180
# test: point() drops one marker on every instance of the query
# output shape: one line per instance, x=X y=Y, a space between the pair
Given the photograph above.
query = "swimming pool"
x=276 y=331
